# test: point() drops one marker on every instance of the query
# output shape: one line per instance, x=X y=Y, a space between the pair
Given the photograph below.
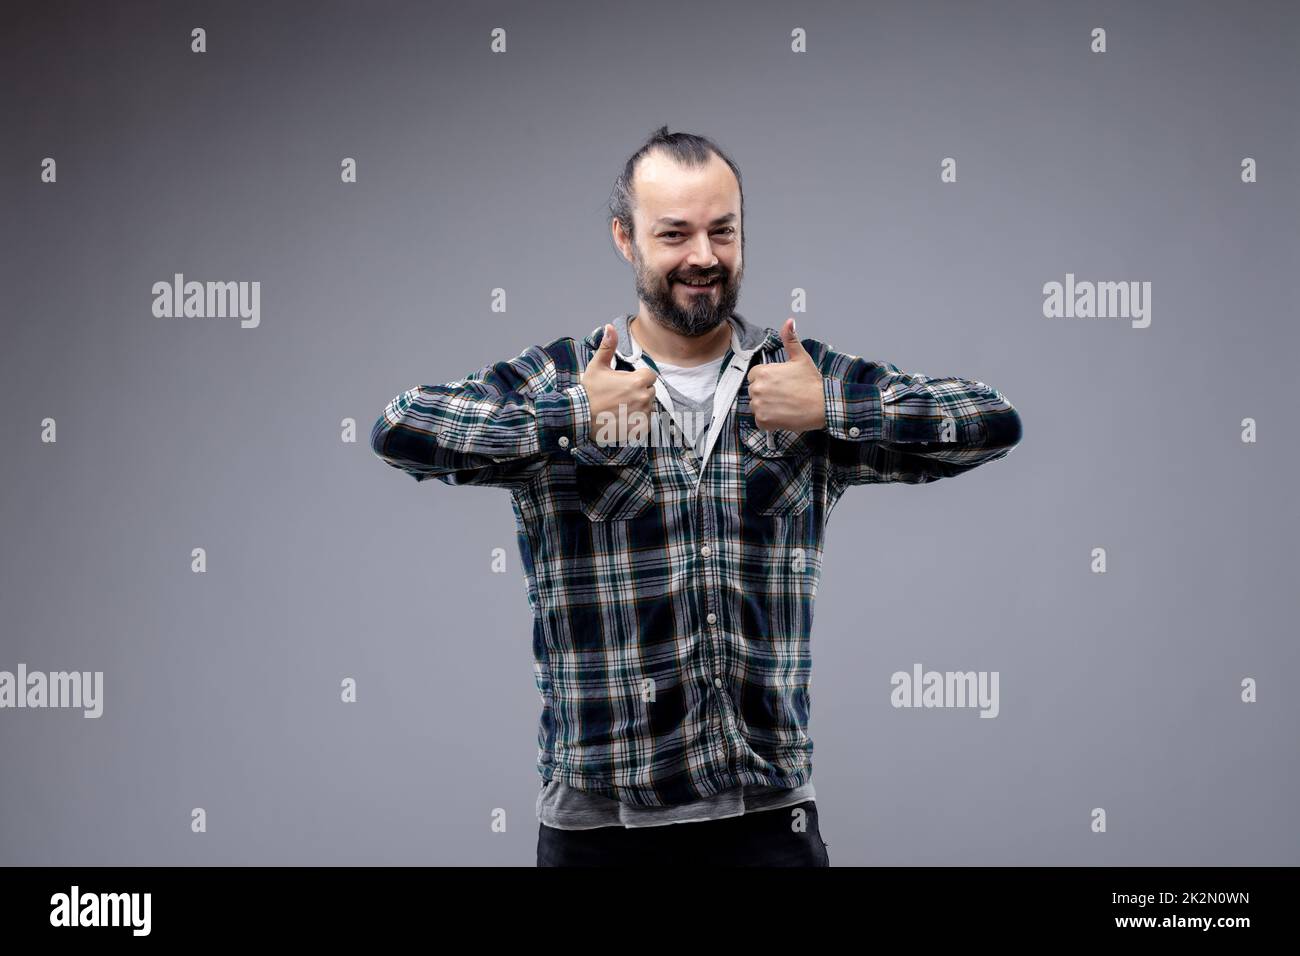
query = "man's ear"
x=620 y=240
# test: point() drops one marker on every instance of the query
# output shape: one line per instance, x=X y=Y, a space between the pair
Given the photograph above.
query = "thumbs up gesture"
x=788 y=395
x=611 y=390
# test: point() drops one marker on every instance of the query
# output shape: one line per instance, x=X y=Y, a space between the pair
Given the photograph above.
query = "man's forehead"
x=665 y=187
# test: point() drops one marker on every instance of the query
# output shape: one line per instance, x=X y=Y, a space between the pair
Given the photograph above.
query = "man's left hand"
x=788 y=395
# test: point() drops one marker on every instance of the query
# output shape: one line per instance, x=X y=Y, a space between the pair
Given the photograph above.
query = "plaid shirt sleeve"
x=497 y=426
x=888 y=425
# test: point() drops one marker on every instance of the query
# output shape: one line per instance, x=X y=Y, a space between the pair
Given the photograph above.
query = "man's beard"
x=707 y=310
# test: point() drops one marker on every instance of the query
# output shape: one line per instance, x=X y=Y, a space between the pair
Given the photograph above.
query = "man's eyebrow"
x=682 y=222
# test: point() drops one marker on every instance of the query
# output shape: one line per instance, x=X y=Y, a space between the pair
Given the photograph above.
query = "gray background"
x=480 y=171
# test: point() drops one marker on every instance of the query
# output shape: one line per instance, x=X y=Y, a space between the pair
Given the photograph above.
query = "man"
x=672 y=581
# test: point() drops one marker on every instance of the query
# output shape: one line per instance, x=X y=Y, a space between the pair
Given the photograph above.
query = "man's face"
x=687 y=228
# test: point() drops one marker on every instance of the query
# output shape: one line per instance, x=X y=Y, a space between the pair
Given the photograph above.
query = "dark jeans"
x=757 y=838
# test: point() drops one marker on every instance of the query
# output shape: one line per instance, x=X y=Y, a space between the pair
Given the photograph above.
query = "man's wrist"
x=852 y=410
x=563 y=419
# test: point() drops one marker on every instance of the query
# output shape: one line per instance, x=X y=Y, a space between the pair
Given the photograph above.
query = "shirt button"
x=717 y=682
x=854 y=431
x=705 y=551
x=564 y=441
x=712 y=618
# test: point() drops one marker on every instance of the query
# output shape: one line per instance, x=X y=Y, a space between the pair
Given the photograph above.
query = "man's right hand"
x=608 y=388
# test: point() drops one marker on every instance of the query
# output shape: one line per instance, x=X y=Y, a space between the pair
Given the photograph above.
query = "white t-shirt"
x=697 y=382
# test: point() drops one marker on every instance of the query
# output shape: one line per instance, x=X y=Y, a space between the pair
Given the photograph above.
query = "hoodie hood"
x=746 y=337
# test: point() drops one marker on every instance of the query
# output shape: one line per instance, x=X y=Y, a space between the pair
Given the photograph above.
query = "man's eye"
x=664 y=235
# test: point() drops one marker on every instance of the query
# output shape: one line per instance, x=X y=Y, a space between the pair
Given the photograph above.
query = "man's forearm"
x=490 y=423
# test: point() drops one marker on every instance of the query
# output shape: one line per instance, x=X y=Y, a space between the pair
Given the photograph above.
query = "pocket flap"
x=590 y=453
x=773 y=444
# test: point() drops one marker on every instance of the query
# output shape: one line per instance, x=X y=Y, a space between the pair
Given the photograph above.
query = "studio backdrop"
x=286 y=652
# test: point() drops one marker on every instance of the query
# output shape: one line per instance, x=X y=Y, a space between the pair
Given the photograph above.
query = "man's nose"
x=701 y=253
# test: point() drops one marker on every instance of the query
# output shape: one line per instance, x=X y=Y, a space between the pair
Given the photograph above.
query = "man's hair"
x=687 y=149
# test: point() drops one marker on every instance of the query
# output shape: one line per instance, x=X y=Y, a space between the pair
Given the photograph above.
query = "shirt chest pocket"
x=613 y=482
x=778 y=469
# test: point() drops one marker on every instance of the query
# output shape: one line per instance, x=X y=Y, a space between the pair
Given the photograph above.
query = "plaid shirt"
x=672 y=596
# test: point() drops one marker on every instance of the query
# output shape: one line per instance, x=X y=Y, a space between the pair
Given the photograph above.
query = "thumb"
x=794 y=350
x=604 y=354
